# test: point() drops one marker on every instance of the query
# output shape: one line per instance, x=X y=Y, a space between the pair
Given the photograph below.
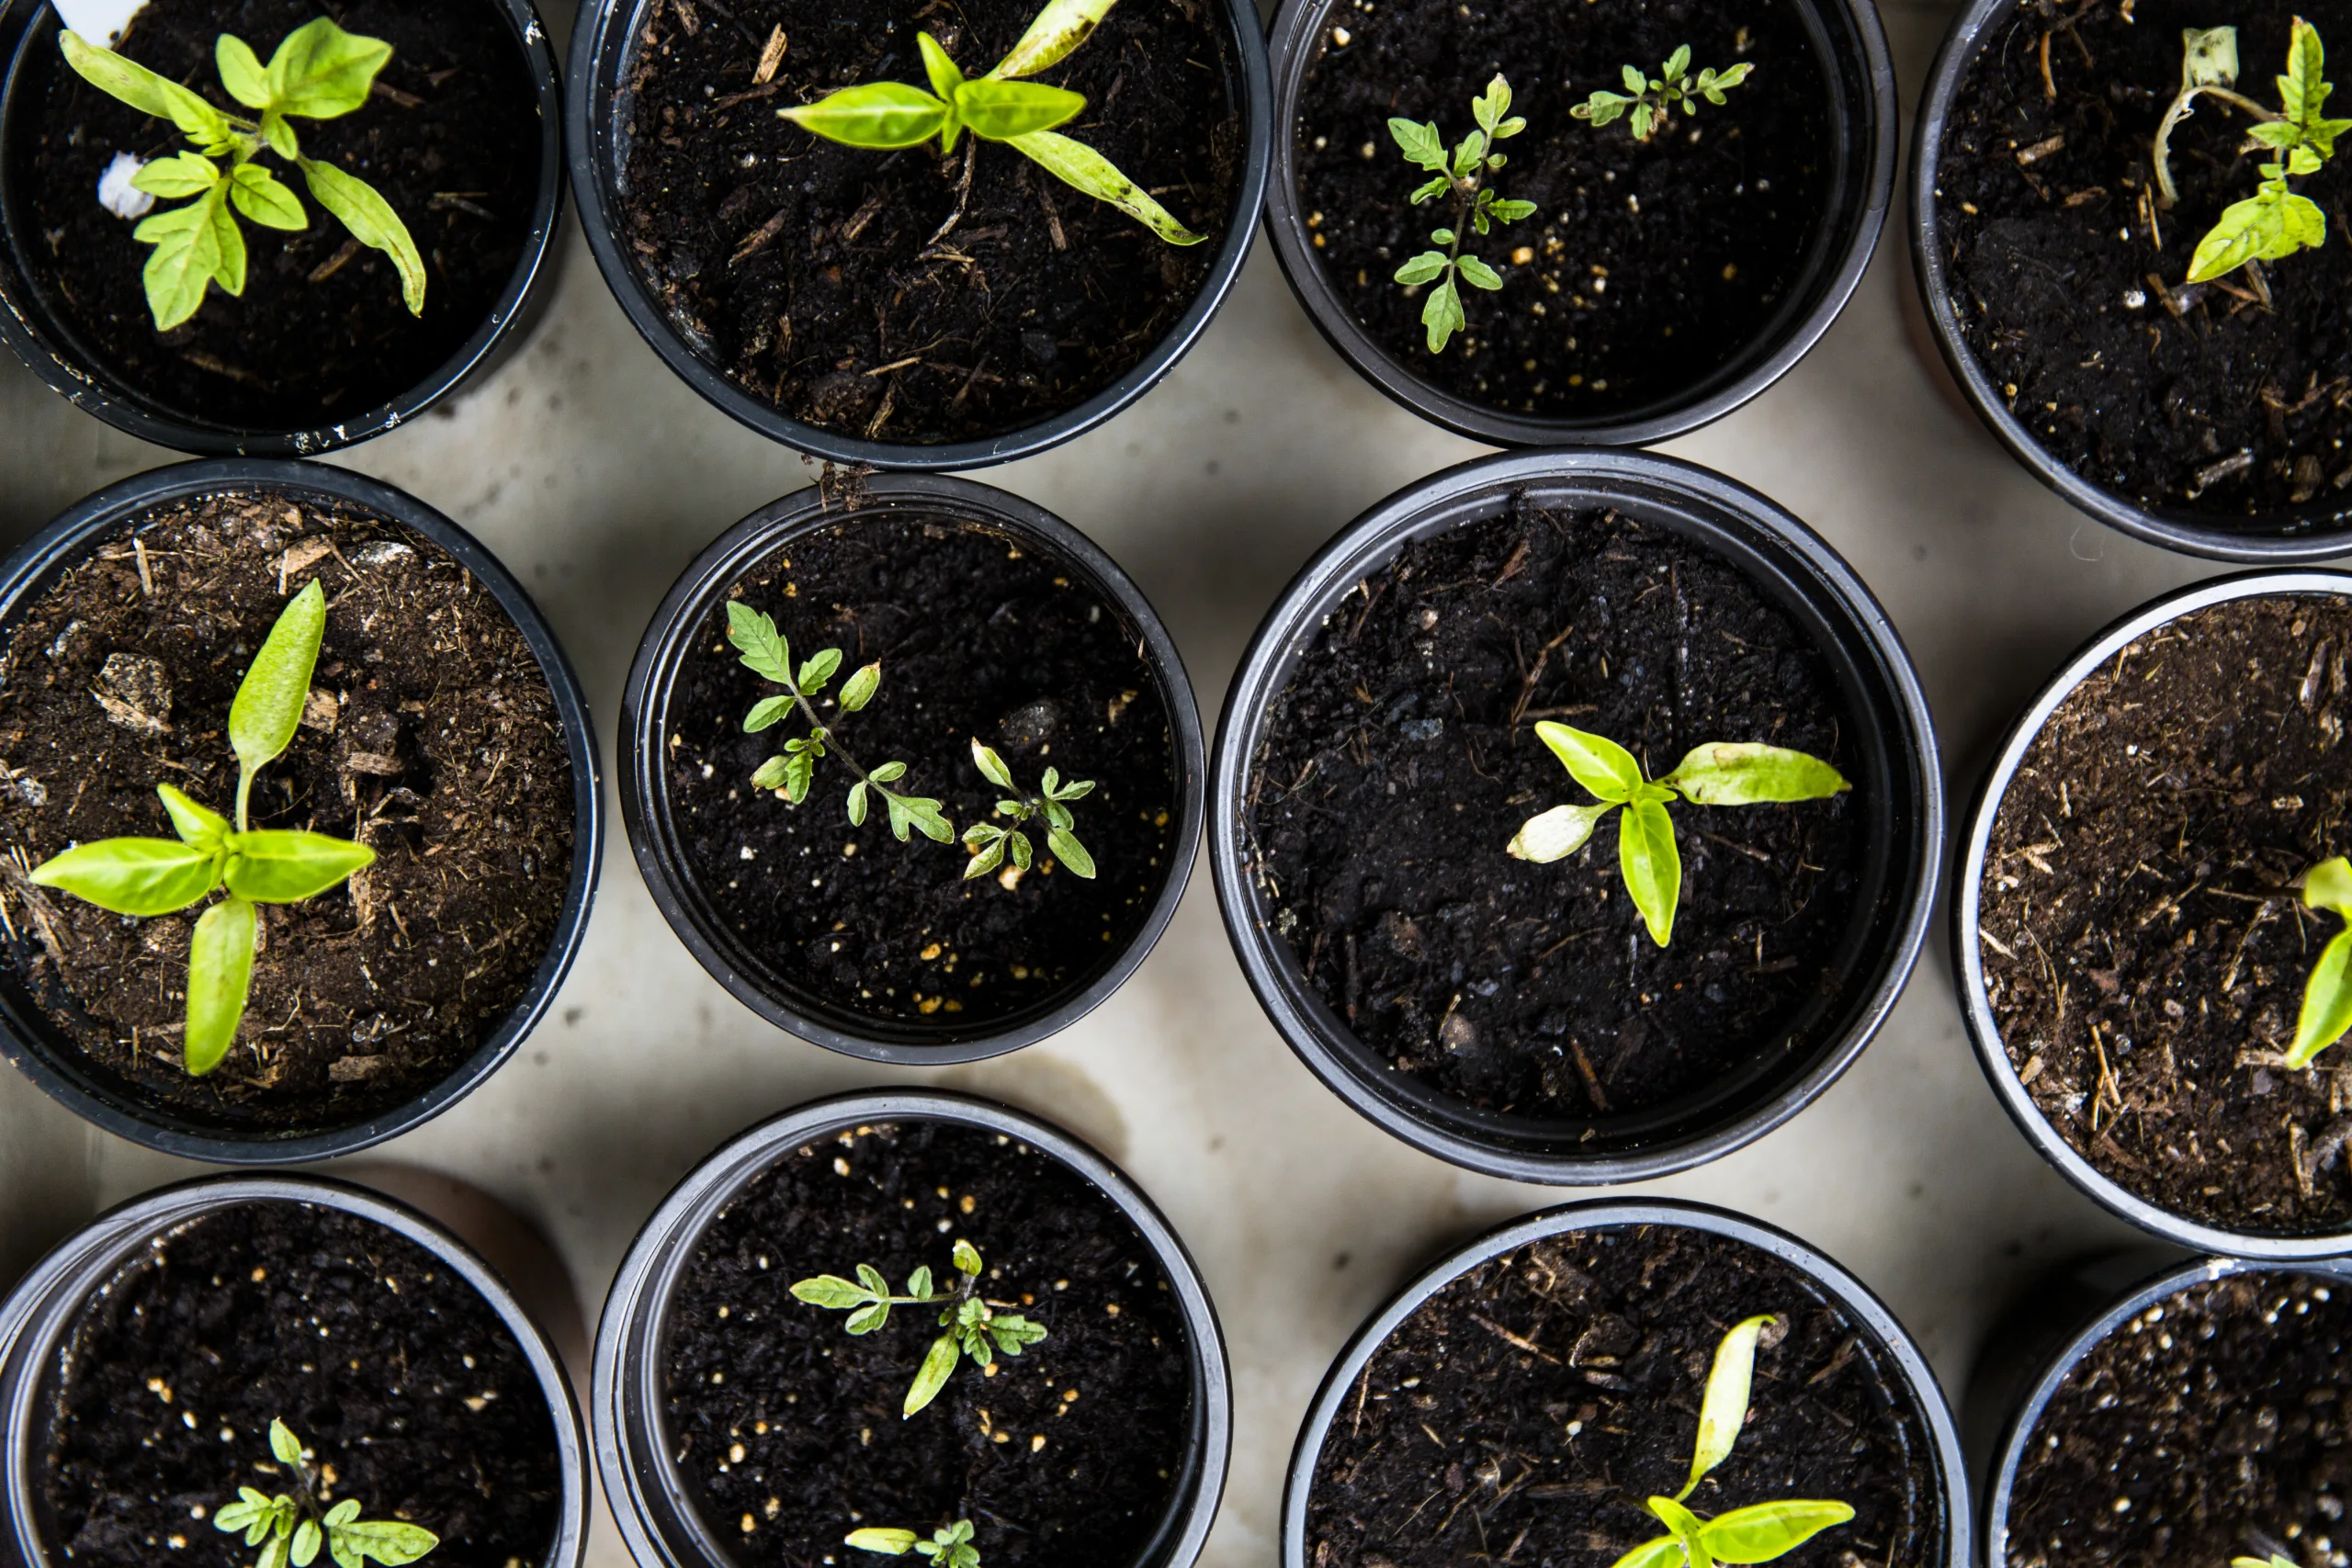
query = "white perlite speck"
x=117 y=194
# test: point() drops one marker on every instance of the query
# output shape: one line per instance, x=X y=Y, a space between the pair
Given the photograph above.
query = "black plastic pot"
x=2038 y=1347
x=605 y=41
x=1852 y=47
x=653 y=832
x=2315 y=531
x=1899 y=789
x=1968 y=955
x=650 y=1499
x=40 y=1311
x=1894 y=1345
x=45 y=340
x=41 y=1052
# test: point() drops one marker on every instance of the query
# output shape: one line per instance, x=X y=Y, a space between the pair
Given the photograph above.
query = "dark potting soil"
x=789 y=1429
x=2144 y=948
x=431 y=737
x=1644 y=268
x=978 y=636
x=1403 y=757
x=411 y=1393
x=2218 y=406
x=2210 y=1426
x=1525 y=1411
x=451 y=139
x=900 y=296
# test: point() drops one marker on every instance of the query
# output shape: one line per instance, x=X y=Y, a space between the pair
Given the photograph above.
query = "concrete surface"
x=596 y=476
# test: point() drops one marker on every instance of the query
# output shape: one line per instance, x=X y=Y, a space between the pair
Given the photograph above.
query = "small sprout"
x=1460 y=174
x=1718 y=773
x=2327 y=995
x=974 y=1328
x=995 y=107
x=767 y=653
x=1653 y=98
x=2275 y=223
x=145 y=878
x=990 y=843
x=1758 y=1533
x=319 y=71
x=292 y=1528
x=948 y=1548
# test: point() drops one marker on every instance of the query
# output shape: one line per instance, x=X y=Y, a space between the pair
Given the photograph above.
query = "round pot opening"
x=2102 y=1417
x=1799 y=590
x=233 y=381
x=1567 y=1343
x=1431 y=1099
x=2054 y=810
x=352 y=1265
x=719 y=1230
x=1554 y=288
x=2188 y=443
x=970 y=599
x=797 y=255
x=249 y=524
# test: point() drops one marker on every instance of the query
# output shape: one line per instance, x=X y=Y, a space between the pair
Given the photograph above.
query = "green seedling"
x=145 y=878
x=1460 y=174
x=2275 y=1559
x=990 y=843
x=974 y=1328
x=319 y=71
x=767 y=653
x=1718 y=773
x=2275 y=222
x=949 y=1547
x=1758 y=1533
x=292 y=1526
x=1654 y=99
x=2327 y=995
x=998 y=107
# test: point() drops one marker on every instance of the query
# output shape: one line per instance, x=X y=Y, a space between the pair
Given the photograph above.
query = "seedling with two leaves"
x=2276 y=221
x=319 y=71
x=948 y=1548
x=974 y=1328
x=292 y=1526
x=1717 y=773
x=145 y=878
x=766 y=652
x=1462 y=175
x=990 y=843
x=1654 y=99
x=1758 y=1533
x=998 y=107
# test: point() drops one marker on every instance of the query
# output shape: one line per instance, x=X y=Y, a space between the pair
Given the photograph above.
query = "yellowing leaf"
x=1724 y=1410
x=1082 y=168
x=372 y=222
x=1060 y=27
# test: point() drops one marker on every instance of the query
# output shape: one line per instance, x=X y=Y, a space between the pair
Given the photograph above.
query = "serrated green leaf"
x=1072 y=854
x=262 y=196
x=1442 y=314
x=1602 y=108
x=890 y=1542
x=767 y=713
x=241 y=72
x=829 y=1291
x=799 y=773
x=190 y=255
x=1651 y=865
x=319 y=71
x=938 y=1365
x=987 y=860
x=920 y=813
x=818 y=671
x=764 y=651
x=1603 y=767
x=1084 y=169
x=876 y=115
x=1420 y=143
x=1747 y=774
x=134 y=877
x=1436 y=186
x=388 y=1541
x=871 y=1278
x=859 y=689
x=1724 y=1410
x=1422 y=267
x=1512 y=212
x=372 y=220
x=1478 y=274
x=1765 y=1531
x=231 y=1517
x=1557 y=833
x=1466 y=153
x=285 y=867
x=182 y=174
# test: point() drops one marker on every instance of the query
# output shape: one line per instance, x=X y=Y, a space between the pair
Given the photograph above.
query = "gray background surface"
x=597 y=477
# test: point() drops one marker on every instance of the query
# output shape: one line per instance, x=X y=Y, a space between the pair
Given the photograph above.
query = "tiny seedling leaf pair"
x=998 y=107
x=948 y=1548
x=1758 y=1533
x=1462 y=175
x=990 y=843
x=2276 y=221
x=1652 y=100
x=144 y=877
x=974 y=1328
x=767 y=653
x=1718 y=773
x=319 y=72
x=290 y=1528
